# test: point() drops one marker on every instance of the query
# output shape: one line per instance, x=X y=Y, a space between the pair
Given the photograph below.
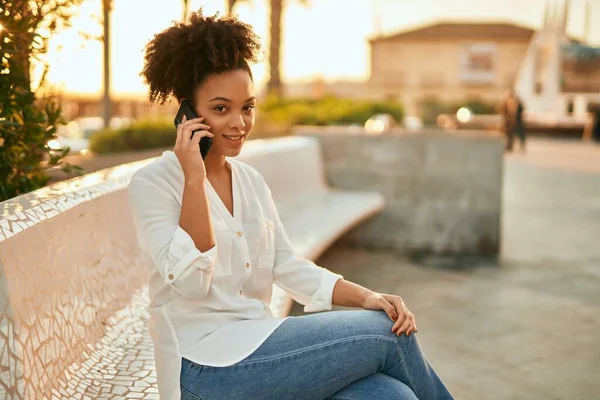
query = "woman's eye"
x=221 y=108
x=249 y=107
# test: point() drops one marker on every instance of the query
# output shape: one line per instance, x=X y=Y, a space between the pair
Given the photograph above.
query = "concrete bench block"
x=443 y=191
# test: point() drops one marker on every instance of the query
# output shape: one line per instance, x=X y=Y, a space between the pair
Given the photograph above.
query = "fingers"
x=179 y=133
x=199 y=130
x=407 y=323
x=389 y=309
x=195 y=141
x=185 y=129
x=399 y=322
x=400 y=311
x=412 y=329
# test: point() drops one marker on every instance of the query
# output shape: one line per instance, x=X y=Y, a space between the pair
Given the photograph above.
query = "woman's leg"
x=316 y=356
x=378 y=386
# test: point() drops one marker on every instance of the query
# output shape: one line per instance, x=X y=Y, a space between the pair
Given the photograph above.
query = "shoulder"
x=164 y=171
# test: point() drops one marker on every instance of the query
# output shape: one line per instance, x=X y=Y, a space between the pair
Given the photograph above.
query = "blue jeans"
x=330 y=355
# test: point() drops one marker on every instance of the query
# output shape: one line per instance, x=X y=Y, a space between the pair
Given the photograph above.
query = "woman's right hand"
x=187 y=149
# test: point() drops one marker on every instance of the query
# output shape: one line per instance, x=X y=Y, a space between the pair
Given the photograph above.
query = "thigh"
x=378 y=386
x=307 y=357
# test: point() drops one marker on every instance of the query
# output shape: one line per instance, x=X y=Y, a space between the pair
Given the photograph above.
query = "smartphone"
x=185 y=108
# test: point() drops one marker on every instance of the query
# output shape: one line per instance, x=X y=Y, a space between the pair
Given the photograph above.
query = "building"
x=447 y=62
x=559 y=77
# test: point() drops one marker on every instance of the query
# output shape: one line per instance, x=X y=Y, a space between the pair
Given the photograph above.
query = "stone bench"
x=73 y=318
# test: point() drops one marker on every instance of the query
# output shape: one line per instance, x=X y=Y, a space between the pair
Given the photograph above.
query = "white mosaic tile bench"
x=73 y=291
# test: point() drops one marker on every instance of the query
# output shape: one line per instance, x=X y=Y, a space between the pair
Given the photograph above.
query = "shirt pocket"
x=266 y=246
x=224 y=239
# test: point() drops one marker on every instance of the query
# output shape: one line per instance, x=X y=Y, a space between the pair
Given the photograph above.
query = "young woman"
x=216 y=245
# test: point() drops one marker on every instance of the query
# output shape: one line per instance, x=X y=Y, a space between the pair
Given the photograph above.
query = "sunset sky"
x=328 y=39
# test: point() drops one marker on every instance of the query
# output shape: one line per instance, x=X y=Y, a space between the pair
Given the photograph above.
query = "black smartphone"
x=185 y=108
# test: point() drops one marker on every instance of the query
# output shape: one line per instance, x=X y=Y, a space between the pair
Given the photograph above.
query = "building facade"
x=447 y=63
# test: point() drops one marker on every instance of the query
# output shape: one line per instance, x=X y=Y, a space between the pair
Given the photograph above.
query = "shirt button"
x=171 y=276
x=247 y=265
x=271 y=225
x=240 y=233
x=241 y=292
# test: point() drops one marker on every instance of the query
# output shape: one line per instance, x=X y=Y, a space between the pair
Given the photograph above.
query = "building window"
x=478 y=63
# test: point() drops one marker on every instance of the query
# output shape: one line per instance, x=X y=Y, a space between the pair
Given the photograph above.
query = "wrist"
x=367 y=296
x=195 y=181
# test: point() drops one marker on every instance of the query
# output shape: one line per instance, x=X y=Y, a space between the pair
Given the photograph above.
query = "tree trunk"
x=186 y=9
x=106 y=101
x=23 y=44
x=274 y=86
x=230 y=5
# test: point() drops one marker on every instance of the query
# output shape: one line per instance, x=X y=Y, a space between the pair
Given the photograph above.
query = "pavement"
x=525 y=327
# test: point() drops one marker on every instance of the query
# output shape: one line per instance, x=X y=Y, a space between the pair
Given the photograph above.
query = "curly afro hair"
x=181 y=57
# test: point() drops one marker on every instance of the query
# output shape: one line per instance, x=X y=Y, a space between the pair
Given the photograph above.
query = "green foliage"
x=277 y=117
x=328 y=111
x=142 y=134
x=26 y=122
x=274 y=118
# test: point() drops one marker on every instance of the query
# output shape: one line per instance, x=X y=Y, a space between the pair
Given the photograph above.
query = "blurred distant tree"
x=186 y=10
x=27 y=122
x=274 y=85
x=230 y=5
x=106 y=99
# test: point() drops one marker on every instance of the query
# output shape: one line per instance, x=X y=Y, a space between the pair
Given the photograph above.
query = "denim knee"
x=381 y=323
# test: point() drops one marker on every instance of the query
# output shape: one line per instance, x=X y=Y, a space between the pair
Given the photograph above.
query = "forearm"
x=349 y=294
x=195 y=216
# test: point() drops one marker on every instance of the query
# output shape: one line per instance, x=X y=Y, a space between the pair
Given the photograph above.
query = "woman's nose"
x=238 y=122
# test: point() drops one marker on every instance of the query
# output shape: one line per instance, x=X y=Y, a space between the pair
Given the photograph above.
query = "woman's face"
x=226 y=101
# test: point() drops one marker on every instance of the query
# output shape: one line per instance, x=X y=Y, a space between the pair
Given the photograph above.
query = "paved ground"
x=528 y=328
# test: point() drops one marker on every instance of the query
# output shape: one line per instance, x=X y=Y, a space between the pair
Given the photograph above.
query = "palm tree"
x=230 y=5
x=186 y=8
x=274 y=85
x=106 y=100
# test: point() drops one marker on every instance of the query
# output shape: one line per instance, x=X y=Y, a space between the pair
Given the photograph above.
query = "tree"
x=27 y=122
x=274 y=85
x=106 y=99
x=230 y=5
x=186 y=9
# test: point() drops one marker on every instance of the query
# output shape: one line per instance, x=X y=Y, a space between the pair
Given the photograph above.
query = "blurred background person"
x=511 y=109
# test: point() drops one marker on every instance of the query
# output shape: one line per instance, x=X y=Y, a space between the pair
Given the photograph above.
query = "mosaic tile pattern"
x=121 y=364
x=32 y=208
x=62 y=281
x=74 y=294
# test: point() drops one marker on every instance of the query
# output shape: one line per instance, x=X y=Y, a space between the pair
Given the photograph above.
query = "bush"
x=277 y=117
x=328 y=111
x=27 y=121
x=142 y=134
x=274 y=118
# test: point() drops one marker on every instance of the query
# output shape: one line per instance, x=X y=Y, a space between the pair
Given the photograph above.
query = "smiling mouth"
x=237 y=137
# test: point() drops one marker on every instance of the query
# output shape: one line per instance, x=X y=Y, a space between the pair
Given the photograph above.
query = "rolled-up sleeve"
x=156 y=215
x=307 y=283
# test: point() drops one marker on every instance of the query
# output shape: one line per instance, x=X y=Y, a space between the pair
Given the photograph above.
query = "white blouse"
x=213 y=307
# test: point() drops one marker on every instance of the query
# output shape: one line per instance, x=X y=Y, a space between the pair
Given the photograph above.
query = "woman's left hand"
x=396 y=309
